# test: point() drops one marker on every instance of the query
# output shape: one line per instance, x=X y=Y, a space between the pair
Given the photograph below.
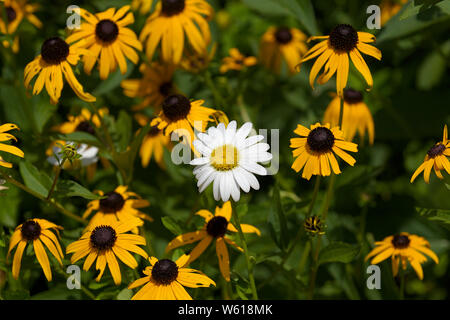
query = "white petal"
x=250 y=141
x=244 y=131
x=199 y=161
x=201 y=147
x=253 y=167
x=207 y=182
x=216 y=186
x=230 y=133
x=235 y=191
x=241 y=180
x=225 y=187
x=250 y=177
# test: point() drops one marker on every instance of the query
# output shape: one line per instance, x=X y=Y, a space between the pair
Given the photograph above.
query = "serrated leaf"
x=70 y=188
x=171 y=225
x=338 y=252
x=34 y=179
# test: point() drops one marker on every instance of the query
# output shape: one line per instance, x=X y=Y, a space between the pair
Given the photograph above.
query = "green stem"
x=220 y=101
x=51 y=202
x=304 y=257
x=298 y=235
x=55 y=180
x=402 y=285
x=83 y=288
x=247 y=257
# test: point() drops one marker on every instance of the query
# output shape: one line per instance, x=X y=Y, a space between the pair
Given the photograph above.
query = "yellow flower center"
x=225 y=158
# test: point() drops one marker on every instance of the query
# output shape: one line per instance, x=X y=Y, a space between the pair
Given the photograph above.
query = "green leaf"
x=123 y=130
x=34 y=179
x=171 y=225
x=302 y=10
x=397 y=27
x=125 y=294
x=338 y=252
x=70 y=188
x=80 y=137
x=277 y=221
x=113 y=81
x=438 y=215
x=432 y=68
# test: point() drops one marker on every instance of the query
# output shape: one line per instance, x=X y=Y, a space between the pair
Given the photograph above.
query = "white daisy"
x=89 y=155
x=230 y=160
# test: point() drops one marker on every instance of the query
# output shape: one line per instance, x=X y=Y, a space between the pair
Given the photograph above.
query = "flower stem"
x=402 y=285
x=55 y=180
x=51 y=201
x=220 y=101
x=83 y=288
x=247 y=257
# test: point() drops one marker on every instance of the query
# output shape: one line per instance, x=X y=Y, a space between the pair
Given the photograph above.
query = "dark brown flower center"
x=172 y=7
x=217 y=227
x=31 y=230
x=400 y=241
x=176 y=107
x=165 y=89
x=352 y=96
x=11 y=14
x=343 y=38
x=436 y=150
x=54 y=50
x=283 y=35
x=85 y=126
x=320 y=139
x=164 y=272
x=103 y=238
x=107 y=30
x=112 y=203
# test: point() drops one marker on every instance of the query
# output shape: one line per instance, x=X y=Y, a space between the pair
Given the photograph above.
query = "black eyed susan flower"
x=316 y=148
x=215 y=228
x=83 y=122
x=403 y=248
x=356 y=119
x=38 y=232
x=118 y=205
x=165 y=280
x=436 y=159
x=314 y=225
x=282 y=43
x=55 y=61
x=155 y=85
x=16 y=11
x=236 y=61
x=143 y=6
x=334 y=51
x=171 y=23
x=181 y=116
x=106 y=36
x=4 y=136
x=153 y=143
x=105 y=243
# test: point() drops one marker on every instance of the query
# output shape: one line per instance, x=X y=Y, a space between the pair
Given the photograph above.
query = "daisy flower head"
x=118 y=205
x=436 y=158
x=229 y=159
x=15 y=12
x=236 y=61
x=155 y=85
x=215 y=228
x=39 y=233
x=315 y=150
x=56 y=59
x=4 y=136
x=106 y=36
x=333 y=53
x=181 y=116
x=403 y=248
x=171 y=23
x=165 y=280
x=282 y=43
x=104 y=243
x=356 y=119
